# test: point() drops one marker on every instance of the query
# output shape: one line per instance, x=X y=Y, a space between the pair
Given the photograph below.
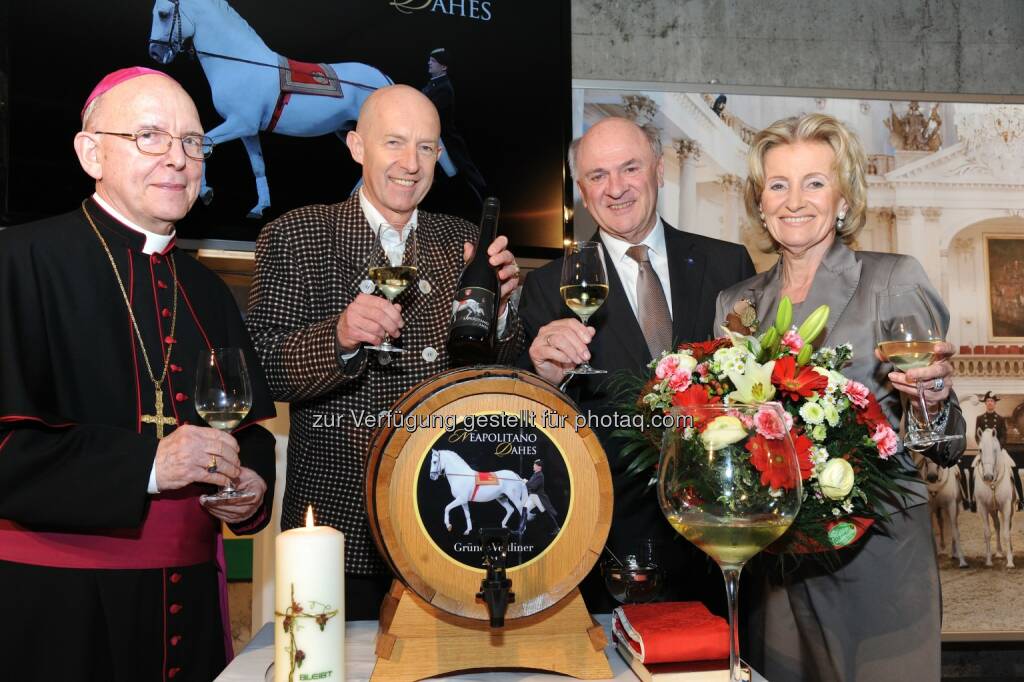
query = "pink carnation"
x=769 y=424
x=886 y=440
x=792 y=341
x=745 y=419
x=680 y=379
x=857 y=393
x=702 y=370
x=667 y=366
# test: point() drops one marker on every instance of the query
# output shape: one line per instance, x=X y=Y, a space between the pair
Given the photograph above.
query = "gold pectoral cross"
x=159 y=419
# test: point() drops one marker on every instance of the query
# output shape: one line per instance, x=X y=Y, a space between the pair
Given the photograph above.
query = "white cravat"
x=628 y=269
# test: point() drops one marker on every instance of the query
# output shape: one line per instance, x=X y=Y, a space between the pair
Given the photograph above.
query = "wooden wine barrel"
x=500 y=422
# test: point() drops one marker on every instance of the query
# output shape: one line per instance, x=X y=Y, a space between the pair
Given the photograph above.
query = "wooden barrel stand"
x=417 y=641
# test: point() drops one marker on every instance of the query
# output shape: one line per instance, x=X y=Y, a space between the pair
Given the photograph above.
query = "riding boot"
x=1020 y=492
x=554 y=522
x=965 y=489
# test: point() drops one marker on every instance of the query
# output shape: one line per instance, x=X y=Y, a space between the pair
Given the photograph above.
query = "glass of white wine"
x=392 y=270
x=729 y=490
x=223 y=398
x=584 y=286
x=908 y=328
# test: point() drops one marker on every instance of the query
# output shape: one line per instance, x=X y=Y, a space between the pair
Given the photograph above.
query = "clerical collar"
x=155 y=242
x=375 y=218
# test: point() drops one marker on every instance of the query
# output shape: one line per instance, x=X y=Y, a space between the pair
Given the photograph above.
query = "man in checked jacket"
x=310 y=315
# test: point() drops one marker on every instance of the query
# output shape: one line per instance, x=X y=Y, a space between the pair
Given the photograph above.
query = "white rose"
x=722 y=431
x=836 y=479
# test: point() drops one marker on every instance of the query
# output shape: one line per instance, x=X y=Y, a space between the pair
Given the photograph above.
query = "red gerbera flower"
x=693 y=397
x=796 y=382
x=702 y=349
x=770 y=458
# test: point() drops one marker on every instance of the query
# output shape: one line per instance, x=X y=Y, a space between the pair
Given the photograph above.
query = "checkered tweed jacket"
x=309 y=264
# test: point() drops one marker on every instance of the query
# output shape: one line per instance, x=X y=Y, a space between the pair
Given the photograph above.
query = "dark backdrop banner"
x=508 y=65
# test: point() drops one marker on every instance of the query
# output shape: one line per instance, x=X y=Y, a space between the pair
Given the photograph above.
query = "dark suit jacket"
x=699 y=267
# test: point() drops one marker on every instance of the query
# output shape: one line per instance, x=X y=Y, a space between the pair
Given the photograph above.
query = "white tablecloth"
x=253 y=664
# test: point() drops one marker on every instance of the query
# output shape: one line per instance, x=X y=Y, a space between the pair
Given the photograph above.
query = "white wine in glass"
x=392 y=271
x=223 y=397
x=584 y=286
x=908 y=327
x=712 y=494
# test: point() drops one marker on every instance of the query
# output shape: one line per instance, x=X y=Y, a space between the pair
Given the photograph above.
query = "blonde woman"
x=877 y=616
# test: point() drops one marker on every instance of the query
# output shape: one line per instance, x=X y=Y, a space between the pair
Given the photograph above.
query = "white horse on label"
x=468 y=486
x=995 y=494
x=944 y=498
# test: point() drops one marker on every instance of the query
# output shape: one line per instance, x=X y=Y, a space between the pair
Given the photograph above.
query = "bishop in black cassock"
x=99 y=579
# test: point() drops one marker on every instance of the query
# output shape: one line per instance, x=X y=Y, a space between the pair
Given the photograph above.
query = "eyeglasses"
x=158 y=143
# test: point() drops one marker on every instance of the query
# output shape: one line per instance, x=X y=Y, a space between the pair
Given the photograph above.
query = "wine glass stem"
x=732 y=591
x=925 y=421
x=230 y=487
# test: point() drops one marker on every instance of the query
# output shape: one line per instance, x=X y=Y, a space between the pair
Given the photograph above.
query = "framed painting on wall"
x=1004 y=269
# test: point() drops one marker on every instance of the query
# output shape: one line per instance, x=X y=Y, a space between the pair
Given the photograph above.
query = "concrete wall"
x=941 y=46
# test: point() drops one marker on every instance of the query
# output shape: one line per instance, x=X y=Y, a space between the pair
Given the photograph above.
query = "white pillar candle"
x=309 y=604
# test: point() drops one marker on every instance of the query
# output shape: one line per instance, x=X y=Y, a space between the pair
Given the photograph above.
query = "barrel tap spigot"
x=496 y=587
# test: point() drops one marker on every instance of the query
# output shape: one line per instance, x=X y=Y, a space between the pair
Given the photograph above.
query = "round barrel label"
x=492 y=471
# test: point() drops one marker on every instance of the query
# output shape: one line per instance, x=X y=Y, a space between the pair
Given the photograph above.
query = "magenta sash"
x=176 y=531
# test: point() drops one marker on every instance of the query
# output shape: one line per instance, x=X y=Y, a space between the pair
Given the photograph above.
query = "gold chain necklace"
x=159 y=418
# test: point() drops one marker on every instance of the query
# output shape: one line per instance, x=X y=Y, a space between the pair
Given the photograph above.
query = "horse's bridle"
x=997 y=476
x=176 y=44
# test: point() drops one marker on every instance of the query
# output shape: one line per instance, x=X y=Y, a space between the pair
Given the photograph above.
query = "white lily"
x=753 y=384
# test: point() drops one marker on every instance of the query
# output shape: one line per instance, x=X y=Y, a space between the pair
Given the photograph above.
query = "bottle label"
x=473 y=307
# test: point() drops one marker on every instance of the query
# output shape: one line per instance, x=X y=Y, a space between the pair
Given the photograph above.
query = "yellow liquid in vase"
x=731 y=542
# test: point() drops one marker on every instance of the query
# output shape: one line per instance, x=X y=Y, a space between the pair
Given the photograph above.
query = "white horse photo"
x=507 y=487
x=944 y=498
x=994 y=493
x=245 y=81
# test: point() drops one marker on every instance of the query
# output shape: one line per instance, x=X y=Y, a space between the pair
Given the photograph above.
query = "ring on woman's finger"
x=939 y=384
x=211 y=468
x=547 y=339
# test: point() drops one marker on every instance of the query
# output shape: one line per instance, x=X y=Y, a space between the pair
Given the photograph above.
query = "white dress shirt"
x=628 y=269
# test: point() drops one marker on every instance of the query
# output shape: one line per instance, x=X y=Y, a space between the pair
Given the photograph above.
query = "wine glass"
x=636 y=578
x=392 y=270
x=728 y=489
x=908 y=328
x=223 y=397
x=584 y=286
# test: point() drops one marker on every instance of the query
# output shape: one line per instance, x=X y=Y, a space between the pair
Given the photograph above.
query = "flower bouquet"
x=843 y=440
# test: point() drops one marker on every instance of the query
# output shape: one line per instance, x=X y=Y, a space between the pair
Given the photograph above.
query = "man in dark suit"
x=662 y=289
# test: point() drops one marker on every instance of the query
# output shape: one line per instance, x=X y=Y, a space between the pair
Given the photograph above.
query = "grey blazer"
x=847 y=281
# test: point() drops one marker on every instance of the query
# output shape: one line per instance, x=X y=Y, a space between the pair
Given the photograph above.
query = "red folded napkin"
x=670 y=632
